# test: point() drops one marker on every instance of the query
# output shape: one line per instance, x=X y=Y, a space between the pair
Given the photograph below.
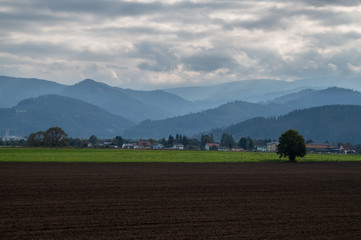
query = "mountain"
x=313 y=98
x=169 y=103
x=334 y=123
x=13 y=90
x=77 y=118
x=194 y=123
x=257 y=90
x=135 y=105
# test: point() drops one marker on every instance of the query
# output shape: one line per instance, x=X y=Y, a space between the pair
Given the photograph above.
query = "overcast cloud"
x=158 y=44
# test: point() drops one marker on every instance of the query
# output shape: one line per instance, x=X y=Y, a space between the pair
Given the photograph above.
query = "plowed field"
x=180 y=201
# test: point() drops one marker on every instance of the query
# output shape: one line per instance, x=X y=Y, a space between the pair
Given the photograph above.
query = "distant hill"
x=257 y=90
x=313 y=98
x=169 y=103
x=238 y=111
x=334 y=123
x=194 y=123
x=135 y=105
x=13 y=90
x=77 y=118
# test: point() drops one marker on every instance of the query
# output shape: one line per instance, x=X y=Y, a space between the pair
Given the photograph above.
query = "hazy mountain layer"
x=135 y=105
x=334 y=123
x=313 y=98
x=13 y=90
x=257 y=90
x=194 y=123
x=238 y=111
x=77 y=118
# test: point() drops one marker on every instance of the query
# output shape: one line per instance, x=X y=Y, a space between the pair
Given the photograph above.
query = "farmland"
x=114 y=155
x=268 y=200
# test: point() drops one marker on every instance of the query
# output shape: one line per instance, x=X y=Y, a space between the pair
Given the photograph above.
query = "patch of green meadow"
x=168 y=156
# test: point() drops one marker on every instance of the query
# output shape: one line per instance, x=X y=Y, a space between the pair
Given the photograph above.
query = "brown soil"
x=180 y=201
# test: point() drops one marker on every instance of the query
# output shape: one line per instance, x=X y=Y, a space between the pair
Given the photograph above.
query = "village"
x=179 y=142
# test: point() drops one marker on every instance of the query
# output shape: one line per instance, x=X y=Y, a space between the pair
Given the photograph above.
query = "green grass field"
x=114 y=155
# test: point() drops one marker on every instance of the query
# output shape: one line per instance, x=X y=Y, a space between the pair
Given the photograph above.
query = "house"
x=144 y=144
x=272 y=146
x=129 y=146
x=261 y=148
x=157 y=146
x=211 y=146
x=315 y=147
x=178 y=147
x=346 y=148
x=223 y=149
x=237 y=149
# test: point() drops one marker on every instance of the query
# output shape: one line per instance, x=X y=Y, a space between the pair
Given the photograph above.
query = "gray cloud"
x=208 y=61
x=153 y=43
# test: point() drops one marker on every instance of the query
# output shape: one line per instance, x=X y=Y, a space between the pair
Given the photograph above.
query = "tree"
x=291 y=145
x=227 y=140
x=93 y=139
x=206 y=139
x=55 y=137
x=119 y=141
x=36 y=139
x=170 y=141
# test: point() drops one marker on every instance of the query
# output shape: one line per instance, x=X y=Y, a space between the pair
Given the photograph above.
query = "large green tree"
x=55 y=137
x=291 y=145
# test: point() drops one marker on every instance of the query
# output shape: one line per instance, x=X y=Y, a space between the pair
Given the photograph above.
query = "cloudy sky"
x=158 y=44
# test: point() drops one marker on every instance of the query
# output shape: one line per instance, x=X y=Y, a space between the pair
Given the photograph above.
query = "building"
x=129 y=146
x=211 y=146
x=261 y=148
x=346 y=148
x=223 y=149
x=144 y=144
x=272 y=146
x=178 y=147
x=157 y=146
x=325 y=148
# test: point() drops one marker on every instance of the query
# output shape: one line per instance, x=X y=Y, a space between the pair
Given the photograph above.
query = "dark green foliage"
x=78 y=142
x=53 y=137
x=227 y=140
x=93 y=139
x=206 y=139
x=291 y=145
x=246 y=143
x=358 y=148
x=36 y=139
x=170 y=141
x=335 y=123
x=119 y=141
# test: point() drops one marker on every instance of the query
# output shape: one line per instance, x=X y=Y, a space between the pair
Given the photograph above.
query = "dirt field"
x=180 y=201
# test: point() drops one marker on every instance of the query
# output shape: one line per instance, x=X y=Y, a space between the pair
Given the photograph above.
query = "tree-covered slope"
x=169 y=103
x=135 y=105
x=194 y=123
x=334 y=123
x=77 y=118
x=13 y=90
x=314 y=98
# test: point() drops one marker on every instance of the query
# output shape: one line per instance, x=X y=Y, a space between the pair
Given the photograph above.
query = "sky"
x=161 y=44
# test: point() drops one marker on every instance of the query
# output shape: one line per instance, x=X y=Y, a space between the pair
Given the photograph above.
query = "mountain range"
x=30 y=105
x=76 y=117
x=333 y=123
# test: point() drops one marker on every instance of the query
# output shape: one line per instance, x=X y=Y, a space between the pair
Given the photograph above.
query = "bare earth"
x=180 y=201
